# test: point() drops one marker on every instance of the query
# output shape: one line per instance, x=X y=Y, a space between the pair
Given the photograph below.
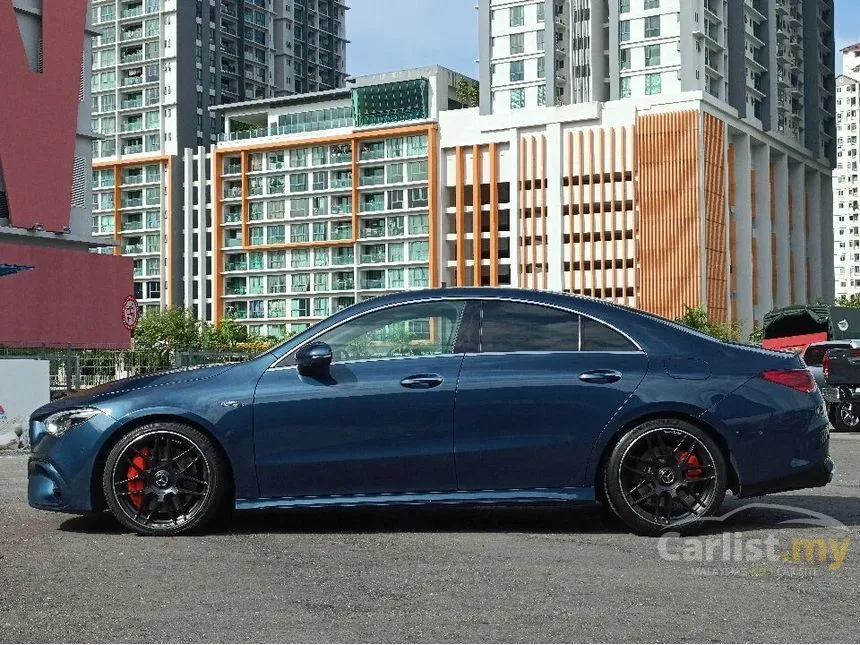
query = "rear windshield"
x=814 y=355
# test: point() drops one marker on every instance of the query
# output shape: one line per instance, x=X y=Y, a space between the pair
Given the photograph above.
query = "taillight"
x=825 y=365
x=800 y=380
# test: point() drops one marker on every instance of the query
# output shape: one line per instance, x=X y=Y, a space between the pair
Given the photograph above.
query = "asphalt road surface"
x=548 y=574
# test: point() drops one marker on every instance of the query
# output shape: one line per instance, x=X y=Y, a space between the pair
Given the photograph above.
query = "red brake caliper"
x=692 y=473
x=135 y=471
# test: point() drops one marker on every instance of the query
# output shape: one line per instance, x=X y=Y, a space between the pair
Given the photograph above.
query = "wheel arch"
x=733 y=482
x=97 y=500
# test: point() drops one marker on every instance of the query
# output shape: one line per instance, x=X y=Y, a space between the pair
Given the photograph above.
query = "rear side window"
x=814 y=355
x=520 y=327
x=597 y=337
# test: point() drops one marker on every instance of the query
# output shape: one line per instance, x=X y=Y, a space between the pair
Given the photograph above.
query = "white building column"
x=554 y=216
x=825 y=221
x=782 y=296
x=513 y=172
x=208 y=238
x=814 y=250
x=188 y=162
x=797 y=183
x=761 y=232
x=742 y=261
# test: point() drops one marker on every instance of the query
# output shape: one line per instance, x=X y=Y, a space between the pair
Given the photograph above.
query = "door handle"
x=600 y=376
x=422 y=381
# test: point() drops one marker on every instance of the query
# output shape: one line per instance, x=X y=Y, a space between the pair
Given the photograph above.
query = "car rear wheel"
x=845 y=417
x=664 y=475
x=164 y=479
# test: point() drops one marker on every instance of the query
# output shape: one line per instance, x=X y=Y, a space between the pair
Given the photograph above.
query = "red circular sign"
x=130 y=313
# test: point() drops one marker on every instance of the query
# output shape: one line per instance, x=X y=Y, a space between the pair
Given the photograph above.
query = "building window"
x=624 y=31
x=517 y=43
x=652 y=4
x=652 y=27
x=541 y=95
x=540 y=37
x=517 y=16
x=624 y=58
x=652 y=55
x=518 y=99
x=653 y=84
x=517 y=71
x=541 y=12
x=541 y=68
x=623 y=6
x=625 y=87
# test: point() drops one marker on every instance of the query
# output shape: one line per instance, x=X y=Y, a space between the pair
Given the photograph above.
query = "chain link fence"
x=78 y=368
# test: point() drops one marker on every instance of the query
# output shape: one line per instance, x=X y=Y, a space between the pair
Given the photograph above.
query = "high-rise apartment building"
x=769 y=60
x=846 y=176
x=313 y=202
x=158 y=66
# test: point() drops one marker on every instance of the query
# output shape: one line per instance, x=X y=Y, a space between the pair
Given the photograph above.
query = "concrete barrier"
x=25 y=385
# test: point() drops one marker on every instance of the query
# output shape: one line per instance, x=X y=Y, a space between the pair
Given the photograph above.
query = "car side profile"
x=467 y=396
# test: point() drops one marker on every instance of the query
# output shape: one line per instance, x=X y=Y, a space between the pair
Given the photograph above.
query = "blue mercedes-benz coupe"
x=465 y=396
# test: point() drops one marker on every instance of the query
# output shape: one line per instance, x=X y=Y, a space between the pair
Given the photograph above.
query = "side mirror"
x=313 y=359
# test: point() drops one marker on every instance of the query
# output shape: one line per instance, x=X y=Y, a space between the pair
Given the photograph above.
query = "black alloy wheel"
x=664 y=475
x=846 y=417
x=164 y=479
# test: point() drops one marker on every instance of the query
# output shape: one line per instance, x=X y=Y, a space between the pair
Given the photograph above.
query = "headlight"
x=61 y=422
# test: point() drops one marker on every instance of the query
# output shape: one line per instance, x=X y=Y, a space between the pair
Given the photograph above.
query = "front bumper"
x=60 y=469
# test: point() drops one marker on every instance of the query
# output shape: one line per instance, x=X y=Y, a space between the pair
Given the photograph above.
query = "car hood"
x=94 y=395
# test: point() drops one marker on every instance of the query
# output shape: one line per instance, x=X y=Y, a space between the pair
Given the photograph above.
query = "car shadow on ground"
x=743 y=515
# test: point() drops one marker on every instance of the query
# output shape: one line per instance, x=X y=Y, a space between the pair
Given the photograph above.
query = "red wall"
x=71 y=297
x=39 y=114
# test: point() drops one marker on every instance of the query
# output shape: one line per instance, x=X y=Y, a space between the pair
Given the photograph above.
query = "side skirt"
x=465 y=498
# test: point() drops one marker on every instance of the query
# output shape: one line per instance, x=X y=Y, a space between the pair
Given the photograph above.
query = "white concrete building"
x=770 y=60
x=846 y=177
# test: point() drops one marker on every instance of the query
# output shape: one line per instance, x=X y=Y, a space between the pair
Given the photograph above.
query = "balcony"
x=132 y=248
x=133 y=34
x=233 y=192
x=343 y=285
x=130 y=104
x=344 y=233
x=131 y=80
x=373 y=258
x=233 y=168
x=373 y=283
x=132 y=202
x=373 y=231
x=236 y=266
x=131 y=58
x=341 y=183
x=133 y=12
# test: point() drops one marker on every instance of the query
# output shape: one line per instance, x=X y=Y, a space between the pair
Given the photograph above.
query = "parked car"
x=844 y=415
x=465 y=396
x=841 y=370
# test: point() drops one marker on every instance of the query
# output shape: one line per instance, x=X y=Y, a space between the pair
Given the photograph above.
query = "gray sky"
x=388 y=35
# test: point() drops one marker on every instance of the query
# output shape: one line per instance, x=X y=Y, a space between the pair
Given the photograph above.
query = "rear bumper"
x=807 y=476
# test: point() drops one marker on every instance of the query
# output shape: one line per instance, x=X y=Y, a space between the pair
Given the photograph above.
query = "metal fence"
x=79 y=368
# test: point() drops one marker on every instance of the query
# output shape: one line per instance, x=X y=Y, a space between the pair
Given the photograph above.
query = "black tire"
x=147 y=485
x=664 y=475
x=845 y=417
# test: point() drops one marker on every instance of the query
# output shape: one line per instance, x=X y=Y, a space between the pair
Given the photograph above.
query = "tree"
x=468 y=92
x=225 y=336
x=849 y=301
x=163 y=332
x=697 y=318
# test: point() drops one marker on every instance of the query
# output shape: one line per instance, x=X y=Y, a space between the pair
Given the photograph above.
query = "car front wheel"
x=164 y=479
x=664 y=475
